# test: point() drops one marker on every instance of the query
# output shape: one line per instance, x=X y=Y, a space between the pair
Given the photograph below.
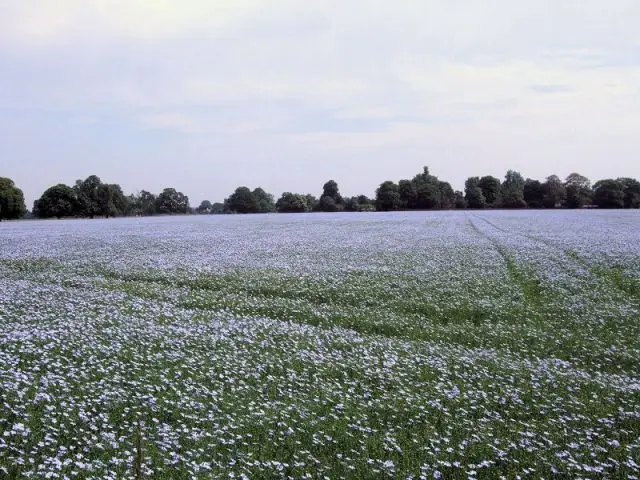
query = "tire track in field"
x=615 y=278
x=528 y=283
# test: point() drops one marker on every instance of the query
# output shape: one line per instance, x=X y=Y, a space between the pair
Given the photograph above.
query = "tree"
x=87 y=195
x=328 y=204
x=578 y=191
x=631 y=192
x=56 y=202
x=330 y=189
x=204 y=207
x=513 y=190
x=217 y=208
x=491 y=188
x=533 y=193
x=350 y=204
x=312 y=202
x=461 y=203
x=241 y=201
x=264 y=201
x=388 y=196
x=171 y=201
x=11 y=200
x=554 y=192
x=364 y=203
x=427 y=187
x=145 y=203
x=331 y=200
x=447 y=195
x=408 y=195
x=110 y=201
x=473 y=193
x=292 y=203
x=609 y=194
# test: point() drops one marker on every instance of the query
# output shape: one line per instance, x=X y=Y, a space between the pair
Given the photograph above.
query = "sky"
x=208 y=95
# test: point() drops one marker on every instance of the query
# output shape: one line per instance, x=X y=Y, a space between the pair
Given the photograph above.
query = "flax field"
x=461 y=345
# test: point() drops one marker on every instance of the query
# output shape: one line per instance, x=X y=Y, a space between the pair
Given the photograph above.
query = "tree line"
x=91 y=197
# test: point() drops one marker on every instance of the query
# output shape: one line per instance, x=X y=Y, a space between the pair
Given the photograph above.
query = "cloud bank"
x=208 y=95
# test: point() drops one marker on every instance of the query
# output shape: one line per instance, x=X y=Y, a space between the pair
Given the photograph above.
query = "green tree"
x=171 y=201
x=11 y=200
x=204 y=208
x=145 y=203
x=87 y=195
x=331 y=200
x=609 y=194
x=533 y=193
x=473 y=193
x=578 y=191
x=428 y=192
x=512 y=190
x=241 y=200
x=111 y=202
x=330 y=189
x=461 y=203
x=388 y=196
x=328 y=204
x=408 y=195
x=312 y=202
x=491 y=188
x=631 y=192
x=264 y=201
x=58 y=201
x=350 y=204
x=554 y=192
x=217 y=208
x=447 y=195
x=292 y=203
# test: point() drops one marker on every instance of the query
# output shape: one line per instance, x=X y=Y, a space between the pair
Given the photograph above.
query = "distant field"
x=418 y=345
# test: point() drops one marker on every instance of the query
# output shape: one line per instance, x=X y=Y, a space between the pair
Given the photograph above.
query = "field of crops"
x=421 y=345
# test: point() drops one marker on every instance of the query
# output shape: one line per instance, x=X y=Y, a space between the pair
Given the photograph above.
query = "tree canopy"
x=91 y=197
x=11 y=200
x=388 y=196
x=58 y=201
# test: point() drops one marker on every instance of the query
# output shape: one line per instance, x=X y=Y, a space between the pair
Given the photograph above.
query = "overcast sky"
x=206 y=95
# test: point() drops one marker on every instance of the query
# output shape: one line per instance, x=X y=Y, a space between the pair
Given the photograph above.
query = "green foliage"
x=11 y=200
x=87 y=195
x=90 y=197
x=473 y=194
x=408 y=195
x=328 y=204
x=388 y=196
x=217 y=208
x=533 y=193
x=331 y=200
x=609 y=194
x=330 y=189
x=205 y=207
x=292 y=203
x=146 y=203
x=631 y=192
x=56 y=202
x=111 y=202
x=171 y=201
x=491 y=189
x=513 y=190
x=554 y=192
x=578 y=191
x=264 y=201
x=243 y=200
